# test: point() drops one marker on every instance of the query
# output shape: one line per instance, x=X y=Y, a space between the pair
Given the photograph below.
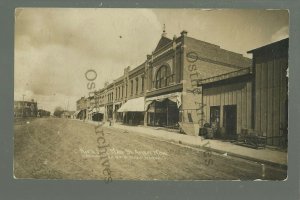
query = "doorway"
x=215 y=116
x=230 y=121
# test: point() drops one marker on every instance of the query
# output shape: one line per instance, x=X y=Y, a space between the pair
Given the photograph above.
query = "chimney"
x=183 y=33
x=174 y=37
x=164 y=34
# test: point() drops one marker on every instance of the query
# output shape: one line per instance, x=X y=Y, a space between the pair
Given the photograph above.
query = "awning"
x=76 y=113
x=175 y=97
x=99 y=110
x=133 y=105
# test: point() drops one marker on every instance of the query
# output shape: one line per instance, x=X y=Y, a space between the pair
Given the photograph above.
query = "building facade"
x=270 y=64
x=174 y=68
x=186 y=83
x=25 y=108
x=81 y=108
x=43 y=113
x=161 y=91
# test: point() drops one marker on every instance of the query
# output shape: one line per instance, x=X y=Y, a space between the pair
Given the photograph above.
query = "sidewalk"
x=266 y=156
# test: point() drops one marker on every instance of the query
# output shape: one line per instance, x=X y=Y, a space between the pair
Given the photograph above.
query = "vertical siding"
x=233 y=94
x=208 y=108
x=244 y=107
x=270 y=97
x=230 y=99
x=249 y=105
x=283 y=95
x=271 y=94
x=239 y=110
x=257 y=97
x=222 y=102
x=264 y=82
x=276 y=103
x=225 y=98
x=218 y=96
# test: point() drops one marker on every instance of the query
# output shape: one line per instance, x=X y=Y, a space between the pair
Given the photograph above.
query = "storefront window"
x=164 y=114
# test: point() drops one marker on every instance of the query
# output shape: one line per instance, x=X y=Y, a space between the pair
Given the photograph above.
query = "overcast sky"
x=55 y=47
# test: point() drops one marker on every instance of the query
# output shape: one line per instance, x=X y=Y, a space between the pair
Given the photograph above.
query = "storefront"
x=109 y=110
x=133 y=111
x=227 y=103
x=98 y=114
x=164 y=110
x=82 y=114
x=118 y=115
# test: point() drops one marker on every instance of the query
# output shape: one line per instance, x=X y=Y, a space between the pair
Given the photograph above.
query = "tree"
x=58 y=111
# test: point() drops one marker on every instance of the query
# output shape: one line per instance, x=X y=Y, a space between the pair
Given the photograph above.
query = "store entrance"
x=163 y=114
x=230 y=120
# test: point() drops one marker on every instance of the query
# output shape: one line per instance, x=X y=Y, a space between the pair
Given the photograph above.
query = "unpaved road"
x=53 y=148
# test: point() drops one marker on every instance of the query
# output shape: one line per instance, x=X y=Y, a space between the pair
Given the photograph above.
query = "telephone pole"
x=23 y=105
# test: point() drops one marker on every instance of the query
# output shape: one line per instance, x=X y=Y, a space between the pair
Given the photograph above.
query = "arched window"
x=163 y=77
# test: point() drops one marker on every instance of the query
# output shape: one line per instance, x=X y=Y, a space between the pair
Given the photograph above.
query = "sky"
x=54 y=47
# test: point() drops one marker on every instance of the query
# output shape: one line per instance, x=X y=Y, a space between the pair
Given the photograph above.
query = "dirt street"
x=53 y=148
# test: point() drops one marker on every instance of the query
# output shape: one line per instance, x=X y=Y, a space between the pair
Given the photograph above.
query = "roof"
x=162 y=42
x=226 y=76
x=277 y=44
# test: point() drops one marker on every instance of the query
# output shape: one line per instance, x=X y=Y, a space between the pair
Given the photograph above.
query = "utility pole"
x=23 y=105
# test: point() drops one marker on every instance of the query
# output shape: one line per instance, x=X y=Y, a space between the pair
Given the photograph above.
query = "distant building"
x=67 y=114
x=43 y=113
x=25 y=108
x=81 y=107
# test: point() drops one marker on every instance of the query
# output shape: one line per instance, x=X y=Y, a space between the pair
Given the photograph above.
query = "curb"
x=267 y=162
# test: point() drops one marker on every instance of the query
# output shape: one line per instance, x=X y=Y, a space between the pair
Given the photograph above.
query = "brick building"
x=174 y=68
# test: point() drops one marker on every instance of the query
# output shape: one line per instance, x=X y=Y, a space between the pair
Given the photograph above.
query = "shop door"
x=230 y=120
x=215 y=116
